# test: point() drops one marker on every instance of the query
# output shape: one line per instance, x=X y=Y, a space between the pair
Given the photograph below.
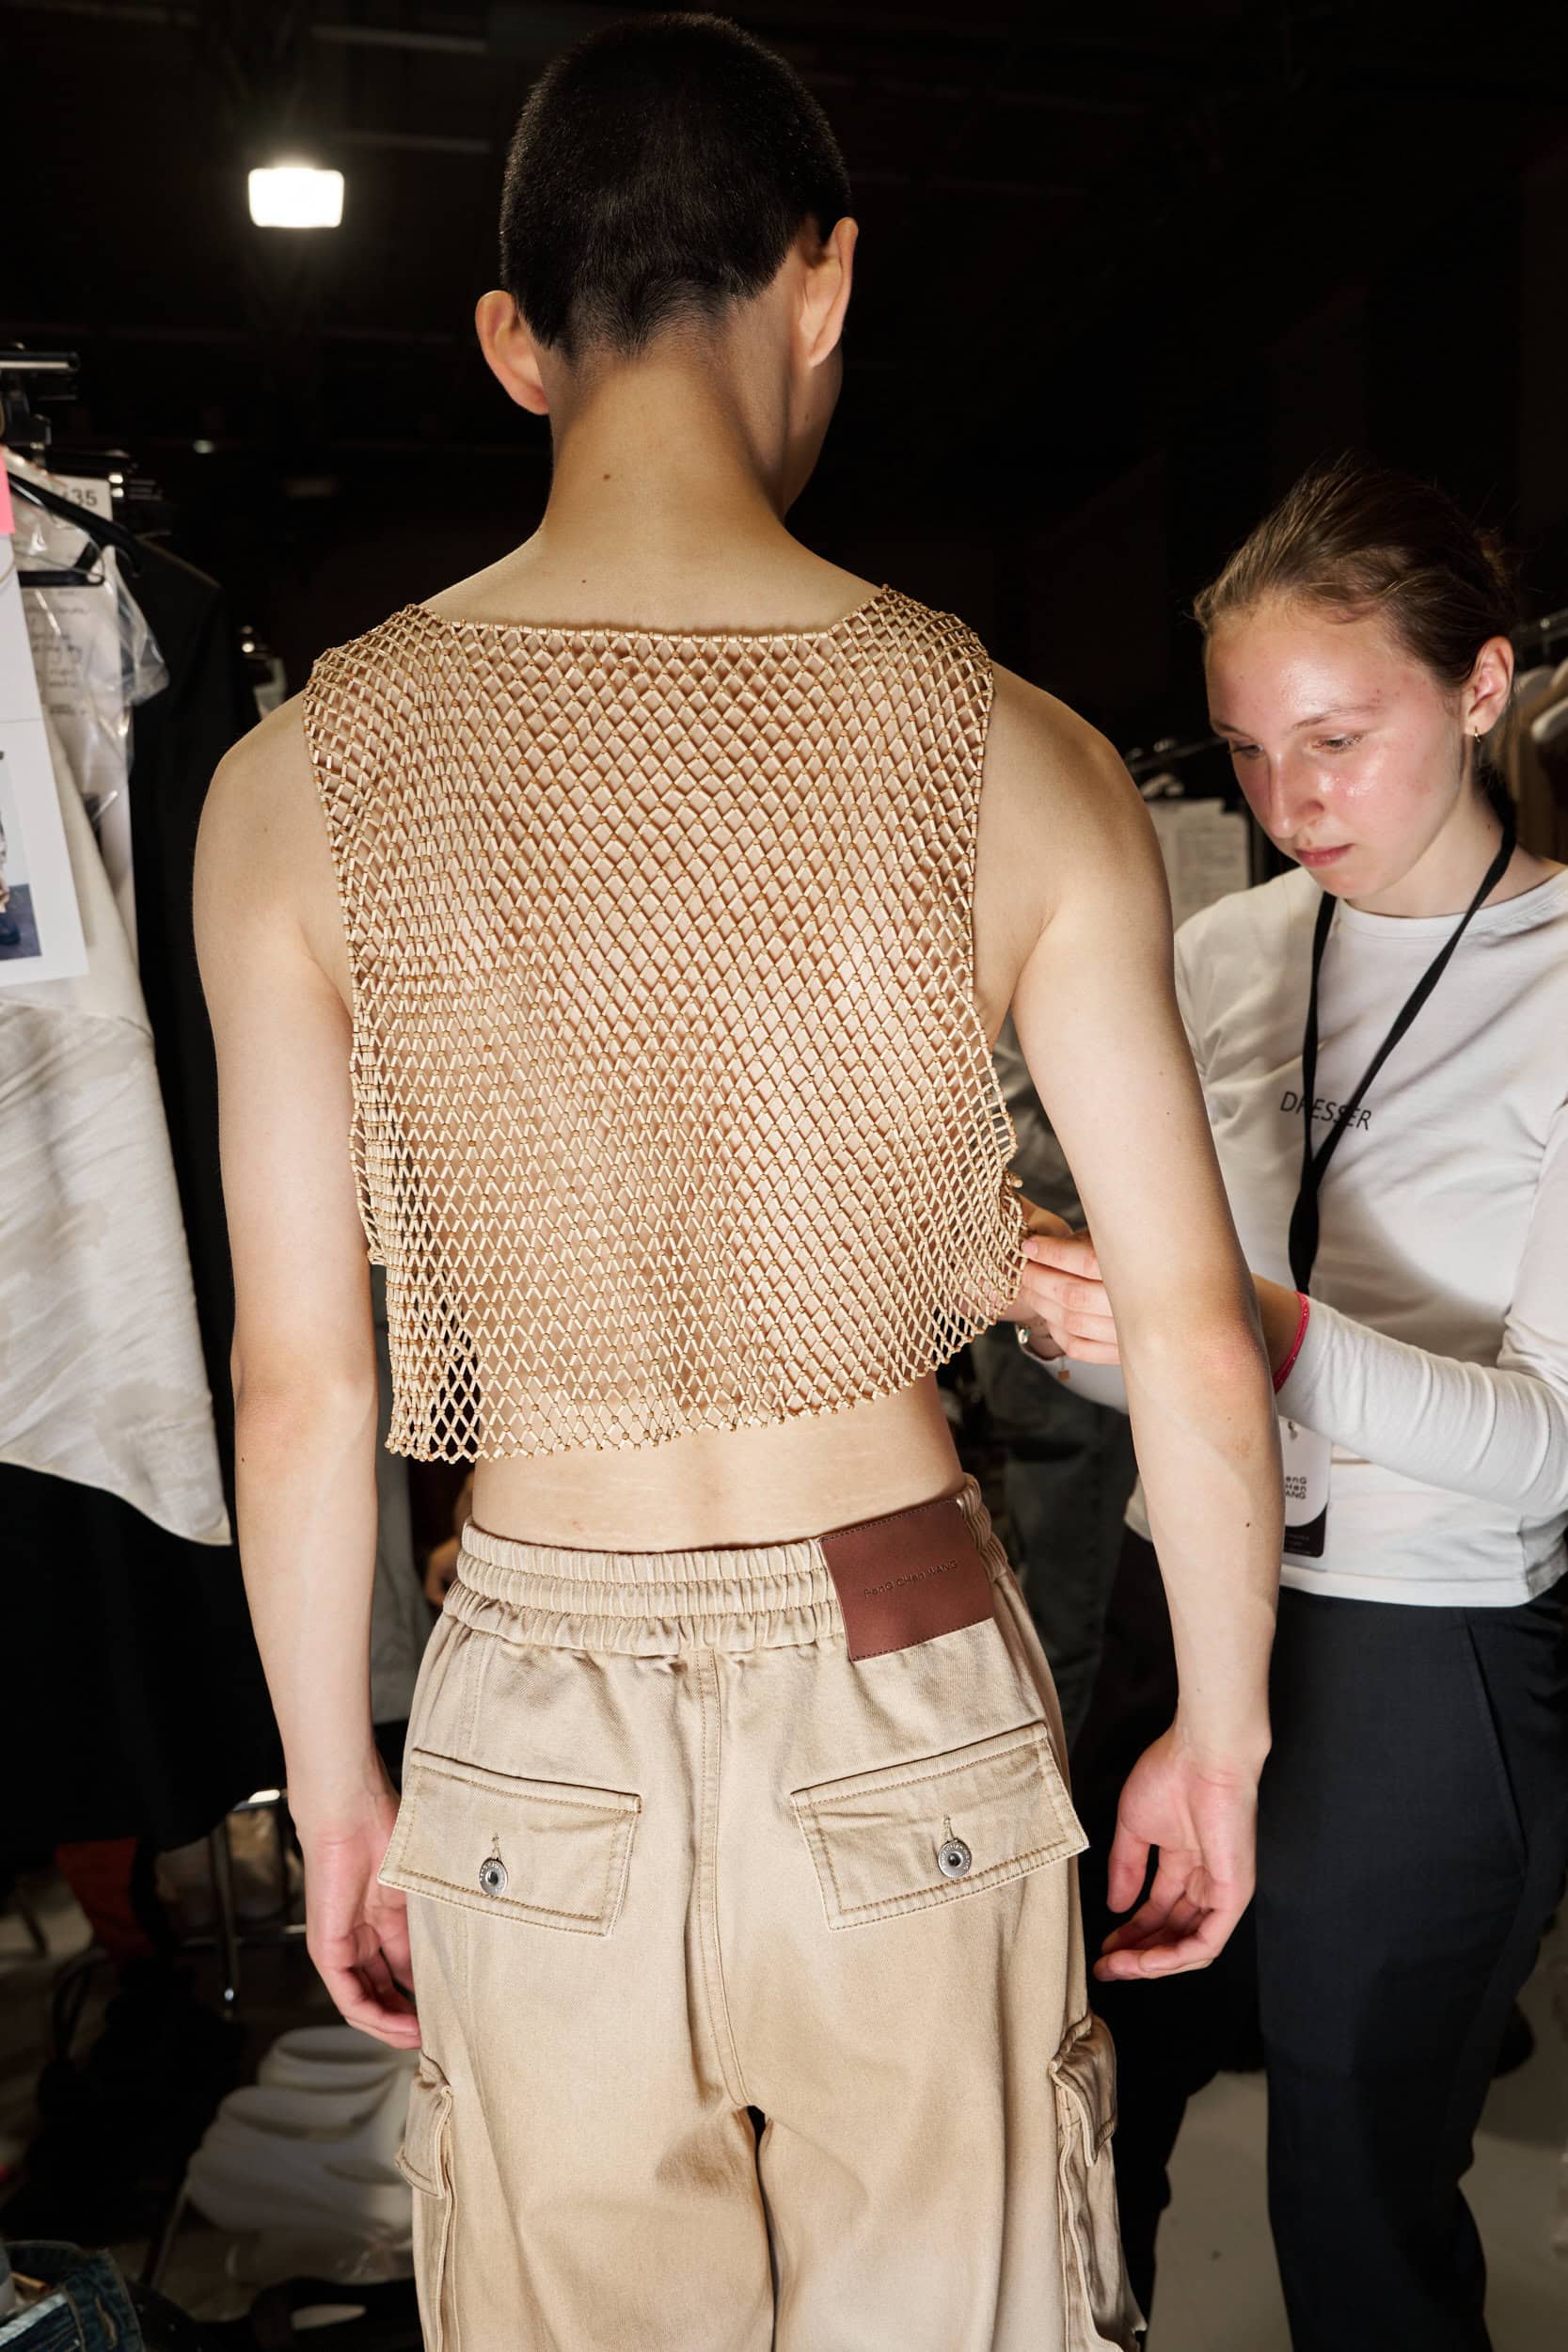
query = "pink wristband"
x=1284 y=1372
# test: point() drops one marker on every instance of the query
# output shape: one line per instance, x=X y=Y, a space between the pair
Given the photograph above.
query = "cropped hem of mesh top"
x=671 y=1105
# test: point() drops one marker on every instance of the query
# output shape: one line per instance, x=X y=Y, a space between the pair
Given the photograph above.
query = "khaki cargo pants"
x=690 y=1834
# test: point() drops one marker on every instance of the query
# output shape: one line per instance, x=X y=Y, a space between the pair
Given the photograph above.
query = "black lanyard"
x=1303 y=1217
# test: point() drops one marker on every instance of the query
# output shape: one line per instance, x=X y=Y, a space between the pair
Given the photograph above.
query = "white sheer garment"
x=102 y=1375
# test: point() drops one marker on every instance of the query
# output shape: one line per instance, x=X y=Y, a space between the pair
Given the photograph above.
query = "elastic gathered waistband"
x=725 y=1596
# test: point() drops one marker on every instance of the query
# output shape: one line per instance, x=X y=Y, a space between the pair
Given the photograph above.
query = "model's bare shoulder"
x=1061 y=824
x=261 y=852
x=1058 y=807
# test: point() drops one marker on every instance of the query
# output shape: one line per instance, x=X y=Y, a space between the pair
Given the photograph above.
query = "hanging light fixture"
x=296 y=196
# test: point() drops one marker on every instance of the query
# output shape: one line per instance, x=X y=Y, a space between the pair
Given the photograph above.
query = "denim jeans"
x=86 y=2309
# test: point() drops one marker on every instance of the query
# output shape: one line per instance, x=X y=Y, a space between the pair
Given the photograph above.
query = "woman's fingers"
x=1068 y=1251
x=1068 y=1293
x=1100 y=1327
x=1060 y=1287
x=1072 y=1311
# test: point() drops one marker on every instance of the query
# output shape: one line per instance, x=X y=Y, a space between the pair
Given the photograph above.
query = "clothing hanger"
x=99 y=529
x=86 y=571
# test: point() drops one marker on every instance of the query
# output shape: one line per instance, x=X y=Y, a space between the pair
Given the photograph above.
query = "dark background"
x=1123 y=272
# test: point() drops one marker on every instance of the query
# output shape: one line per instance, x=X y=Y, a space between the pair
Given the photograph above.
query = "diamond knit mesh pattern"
x=671 y=1105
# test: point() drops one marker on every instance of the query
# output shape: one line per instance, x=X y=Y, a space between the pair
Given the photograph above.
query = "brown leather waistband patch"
x=907 y=1577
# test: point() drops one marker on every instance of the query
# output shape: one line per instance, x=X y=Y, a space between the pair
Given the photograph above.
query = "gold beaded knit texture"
x=672 y=1107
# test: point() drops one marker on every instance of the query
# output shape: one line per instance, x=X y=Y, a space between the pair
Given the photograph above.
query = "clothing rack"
x=1168 y=752
x=27 y=380
x=26 y=376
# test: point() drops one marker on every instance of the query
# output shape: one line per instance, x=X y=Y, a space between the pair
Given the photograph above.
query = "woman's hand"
x=356 y=1930
x=1202 y=1816
x=1062 y=1292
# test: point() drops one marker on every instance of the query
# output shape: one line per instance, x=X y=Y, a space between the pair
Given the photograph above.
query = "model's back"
x=665 y=934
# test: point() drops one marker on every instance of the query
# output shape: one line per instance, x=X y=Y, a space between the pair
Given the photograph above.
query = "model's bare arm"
x=304 y=1368
x=1096 y=1013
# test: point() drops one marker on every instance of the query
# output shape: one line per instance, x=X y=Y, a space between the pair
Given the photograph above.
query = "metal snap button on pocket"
x=492 y=1875
x=953 y=1858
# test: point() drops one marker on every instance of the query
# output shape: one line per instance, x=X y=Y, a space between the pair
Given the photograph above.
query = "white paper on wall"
x=1208 y=853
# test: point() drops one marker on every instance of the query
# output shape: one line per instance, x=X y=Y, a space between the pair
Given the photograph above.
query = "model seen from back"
x=613 y=944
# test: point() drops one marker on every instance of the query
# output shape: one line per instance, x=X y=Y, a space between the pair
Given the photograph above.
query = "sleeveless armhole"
x=1003 y=1126
x=334 y=791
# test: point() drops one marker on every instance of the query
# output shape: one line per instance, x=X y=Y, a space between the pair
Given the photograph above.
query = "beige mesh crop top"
x=672 y=1107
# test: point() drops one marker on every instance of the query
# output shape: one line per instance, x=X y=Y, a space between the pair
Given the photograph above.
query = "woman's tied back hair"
x=1354 y=537
x=661 y=169
x=1360 y=538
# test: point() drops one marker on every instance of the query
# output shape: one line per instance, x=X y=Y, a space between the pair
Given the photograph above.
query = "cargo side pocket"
x=424 y=2159
x=1100 y=2308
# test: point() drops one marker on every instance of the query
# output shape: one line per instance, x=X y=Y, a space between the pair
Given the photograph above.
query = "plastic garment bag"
x=95 y=659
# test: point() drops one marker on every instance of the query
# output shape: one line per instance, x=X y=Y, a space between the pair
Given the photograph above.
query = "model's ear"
x=825 y=291
x=510 y=352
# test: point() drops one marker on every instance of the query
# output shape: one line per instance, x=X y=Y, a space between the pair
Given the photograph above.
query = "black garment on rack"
x=132 y=1701
x=179 y=737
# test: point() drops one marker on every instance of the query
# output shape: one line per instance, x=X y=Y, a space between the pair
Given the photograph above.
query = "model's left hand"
x=356 y=1930
x=1198 y=1815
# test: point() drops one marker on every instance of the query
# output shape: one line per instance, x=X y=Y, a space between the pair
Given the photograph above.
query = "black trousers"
x=1413 y=1841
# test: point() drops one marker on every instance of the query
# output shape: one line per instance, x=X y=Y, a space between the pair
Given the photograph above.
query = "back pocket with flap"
x=932 y=1829
x=546 y=1851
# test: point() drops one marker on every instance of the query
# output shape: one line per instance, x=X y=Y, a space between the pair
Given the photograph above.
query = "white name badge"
x=1307 y=1458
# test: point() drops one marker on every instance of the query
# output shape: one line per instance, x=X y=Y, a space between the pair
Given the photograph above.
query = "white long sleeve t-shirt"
x=1436 y=1354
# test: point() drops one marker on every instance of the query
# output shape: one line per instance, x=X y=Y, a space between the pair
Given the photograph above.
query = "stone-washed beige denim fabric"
x=670 y=1854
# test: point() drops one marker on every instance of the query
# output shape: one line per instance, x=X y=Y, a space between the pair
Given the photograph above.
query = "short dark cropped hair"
x=661 y=169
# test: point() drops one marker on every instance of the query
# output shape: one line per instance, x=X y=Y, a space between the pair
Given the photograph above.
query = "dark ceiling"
x=1062 y=210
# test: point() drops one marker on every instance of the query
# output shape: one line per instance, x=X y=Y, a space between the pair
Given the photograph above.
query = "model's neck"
x=1446 y=877
x=657 y=468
